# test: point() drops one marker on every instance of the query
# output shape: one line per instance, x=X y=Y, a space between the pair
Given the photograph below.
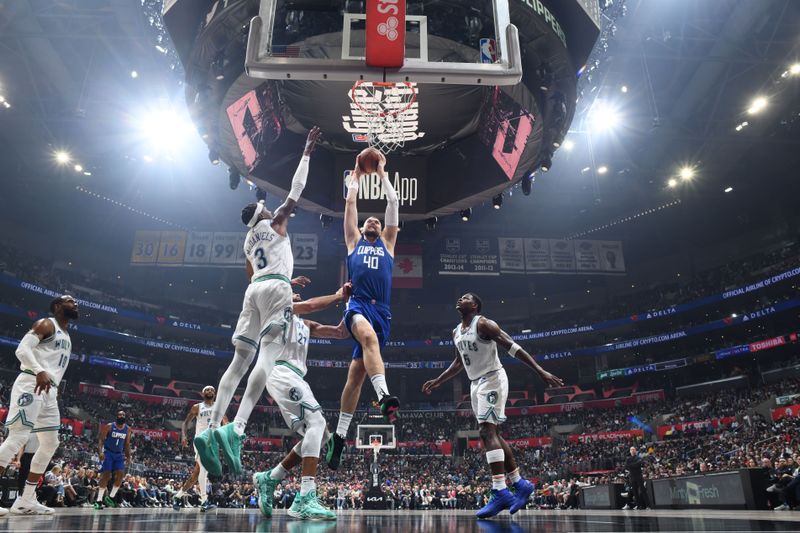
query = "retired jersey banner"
x=537 y=255
x=469 y=256
x=407 y=272
x=304 y=246
x=512 y=255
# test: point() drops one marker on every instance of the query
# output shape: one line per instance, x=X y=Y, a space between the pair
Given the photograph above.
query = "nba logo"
x=488 y=51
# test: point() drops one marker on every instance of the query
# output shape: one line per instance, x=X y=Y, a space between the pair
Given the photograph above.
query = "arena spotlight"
x=602 y=169
x=546 y=162
x=213 y=156
x=62 y=157
x=218 y=66
x=686 y=173
x=497 y=201
x=527 y=181
x=603 y=116
x=672 y=183
x=261 y=195
x=233 y=178
x=757 y=105
x=430 y=223
x=78 y=168
x=568 y=145
x=794 y=69
x=293 y=213
x=729 y=189
x=134 y=74
x=466 y=213
x=325 y=220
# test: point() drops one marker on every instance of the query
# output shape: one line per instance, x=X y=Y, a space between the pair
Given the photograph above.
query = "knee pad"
x=312 y=440
x=48 y=444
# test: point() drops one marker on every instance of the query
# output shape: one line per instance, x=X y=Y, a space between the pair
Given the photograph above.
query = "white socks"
x=514 y=476
x=499 y=482
x=100 y=494
x=379 y=384
x=179 y=494
x=113 y=491
x=344 y=424
x=29 y=492
x=239 y=425
x=307 y=485
x=279 y=472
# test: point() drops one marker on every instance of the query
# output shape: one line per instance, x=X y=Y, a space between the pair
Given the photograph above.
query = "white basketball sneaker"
x=24 y=506
x=3 y=511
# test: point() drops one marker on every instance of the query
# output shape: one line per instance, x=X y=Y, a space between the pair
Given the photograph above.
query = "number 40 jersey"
x=478 y=355
x=268 y=252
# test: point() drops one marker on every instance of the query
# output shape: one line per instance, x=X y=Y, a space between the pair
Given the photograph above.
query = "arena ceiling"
x=691 y=70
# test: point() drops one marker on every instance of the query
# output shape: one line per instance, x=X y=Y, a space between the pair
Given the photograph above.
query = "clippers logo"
x=389 y=28
x=391 y=99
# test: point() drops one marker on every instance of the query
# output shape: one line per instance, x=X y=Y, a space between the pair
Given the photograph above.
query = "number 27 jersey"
x=268 y=252
x=478 y=355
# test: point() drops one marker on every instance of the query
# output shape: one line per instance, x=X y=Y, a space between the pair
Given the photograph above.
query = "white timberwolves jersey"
x=479 y=356
x=296 y=350
x=53 y=353
x=203 y=417
x=268 y=252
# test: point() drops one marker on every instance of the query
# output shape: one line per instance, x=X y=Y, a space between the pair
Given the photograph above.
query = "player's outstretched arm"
x=453 y=370
x=489 y=330
x=281 y=217
x=351 y=232
x=321 y=331
x=392 y=217
x=312 y=305
x=41 y=329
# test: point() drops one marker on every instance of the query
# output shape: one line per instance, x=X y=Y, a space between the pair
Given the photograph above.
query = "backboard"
x=445 y=41
x=368 y=434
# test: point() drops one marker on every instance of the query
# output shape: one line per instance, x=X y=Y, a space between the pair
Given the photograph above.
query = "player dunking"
x=370 y=258
x=202 y=413
x=476 y=339
x=43 y=354
x=114 y=449
x=231 y=448
x=267 y=307
x=302 y=413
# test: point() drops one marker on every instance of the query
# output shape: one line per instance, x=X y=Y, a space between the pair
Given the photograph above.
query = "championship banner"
x=537 y=255
x=562 y=255
x=407 y=271
x=469 y=256
x=587 y=258
x=304 y=246
x=512 y=255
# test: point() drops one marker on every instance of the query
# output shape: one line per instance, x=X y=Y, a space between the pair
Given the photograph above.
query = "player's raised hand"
x=382 y=164
x=42 y=383
x=184 y=442
x=300 y=281
x=429 y=386
x=312 y=139
x=296 y=298
x=551 y=380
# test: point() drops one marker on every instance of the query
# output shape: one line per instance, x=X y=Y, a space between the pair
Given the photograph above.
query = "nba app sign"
x=407 y=174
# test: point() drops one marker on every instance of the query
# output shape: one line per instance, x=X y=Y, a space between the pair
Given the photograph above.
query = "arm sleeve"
x=299 y=179
x=392 y=217
x=25 y=353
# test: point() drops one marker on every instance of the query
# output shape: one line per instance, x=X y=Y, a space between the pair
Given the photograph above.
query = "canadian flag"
x=407 y=273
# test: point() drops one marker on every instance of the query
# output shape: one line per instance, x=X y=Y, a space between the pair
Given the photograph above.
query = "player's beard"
x=72 y=314
x=372 y=234
x=209 y=398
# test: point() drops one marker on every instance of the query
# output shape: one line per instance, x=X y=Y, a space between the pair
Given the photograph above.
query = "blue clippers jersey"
x=115 y=440
x=370 y=270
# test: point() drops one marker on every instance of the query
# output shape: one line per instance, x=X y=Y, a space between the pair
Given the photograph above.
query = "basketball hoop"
x=376 y=446
x=383 y=107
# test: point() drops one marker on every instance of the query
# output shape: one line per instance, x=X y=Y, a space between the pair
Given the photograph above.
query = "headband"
x=256 y=213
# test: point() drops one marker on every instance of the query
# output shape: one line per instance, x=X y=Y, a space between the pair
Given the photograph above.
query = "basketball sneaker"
x=335 y=448
x=231 y=445
x=176 y=503
x=389 y=407
x=25 y=506
x=297 y=506
x=109 y=501
x=98 y=506
x=265 y=486
x=3 y=511
x=312 y=509
x=208 y=452
x=207 y=506
x=523 y=490
x=499 y=500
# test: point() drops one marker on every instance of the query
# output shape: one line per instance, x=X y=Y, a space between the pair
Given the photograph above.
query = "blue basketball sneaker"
x=524 y=489
x=498 y=501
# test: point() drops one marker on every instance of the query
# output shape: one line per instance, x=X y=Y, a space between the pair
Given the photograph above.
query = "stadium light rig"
x=758 y=104
x=497 y=201
x=62 y=157
x=686 y=173
x=466 y=214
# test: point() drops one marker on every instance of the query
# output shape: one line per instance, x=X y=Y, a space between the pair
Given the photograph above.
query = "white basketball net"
x=384 y=107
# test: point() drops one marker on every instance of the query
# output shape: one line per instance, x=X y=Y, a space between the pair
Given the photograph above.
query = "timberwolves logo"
x=492 y=397
x=295 y=394
x=287 y=314
x=25 y=399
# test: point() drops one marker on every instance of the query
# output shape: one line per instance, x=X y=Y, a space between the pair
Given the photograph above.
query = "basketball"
x=368 y=160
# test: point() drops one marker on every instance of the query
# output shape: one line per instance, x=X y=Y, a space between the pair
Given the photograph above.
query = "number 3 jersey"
x=53 y=353
x=268 y=252
x=478 y=355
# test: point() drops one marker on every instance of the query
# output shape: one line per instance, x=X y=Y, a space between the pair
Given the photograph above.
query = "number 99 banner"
x=208 y=248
